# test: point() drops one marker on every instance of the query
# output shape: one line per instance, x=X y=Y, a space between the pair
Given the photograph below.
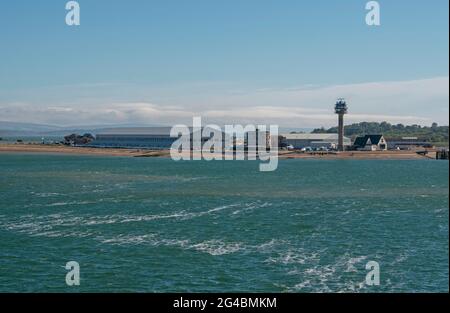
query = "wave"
x=213 y=247
x=48 y=225
x=46 y=194
x=315 y=275
x=217 y=247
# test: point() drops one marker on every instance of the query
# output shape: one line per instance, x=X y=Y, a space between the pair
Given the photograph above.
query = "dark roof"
x=361 y=141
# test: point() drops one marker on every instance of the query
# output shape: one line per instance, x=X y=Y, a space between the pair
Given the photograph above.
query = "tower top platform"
x=341 y=106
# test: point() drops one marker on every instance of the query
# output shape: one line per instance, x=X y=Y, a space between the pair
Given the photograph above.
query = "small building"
x=370 y=143
x=299 y=141
x=408 y=143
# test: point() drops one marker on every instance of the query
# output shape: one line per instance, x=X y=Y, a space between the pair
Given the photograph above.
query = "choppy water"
x=144 y=224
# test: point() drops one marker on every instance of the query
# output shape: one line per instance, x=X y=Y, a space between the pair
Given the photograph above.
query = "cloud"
x=416 y=101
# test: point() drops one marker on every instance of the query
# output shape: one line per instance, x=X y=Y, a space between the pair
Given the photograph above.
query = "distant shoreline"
x=360 y=155
x=59 y=149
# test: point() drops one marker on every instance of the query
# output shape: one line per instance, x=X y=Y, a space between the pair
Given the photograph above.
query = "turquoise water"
x=155 y=225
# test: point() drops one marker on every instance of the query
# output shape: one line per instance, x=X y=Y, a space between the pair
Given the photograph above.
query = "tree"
x=433 y=134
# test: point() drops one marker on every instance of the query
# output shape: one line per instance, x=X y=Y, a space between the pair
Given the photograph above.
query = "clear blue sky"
x=252 y=43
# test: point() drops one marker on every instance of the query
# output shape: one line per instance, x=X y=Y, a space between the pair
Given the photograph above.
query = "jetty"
x=442 y=154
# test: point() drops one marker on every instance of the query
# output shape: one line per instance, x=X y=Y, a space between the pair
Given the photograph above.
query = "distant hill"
x=31 y=129
x=432 y=134
x=14 y=128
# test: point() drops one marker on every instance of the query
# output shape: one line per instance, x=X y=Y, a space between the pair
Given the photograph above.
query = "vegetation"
x=433 y=134
x=75 y=139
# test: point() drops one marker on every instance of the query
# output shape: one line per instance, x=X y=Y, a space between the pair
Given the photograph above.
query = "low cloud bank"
x=408 y=102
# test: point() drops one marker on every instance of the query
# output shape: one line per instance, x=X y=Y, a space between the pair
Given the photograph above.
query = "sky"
x=228 y=61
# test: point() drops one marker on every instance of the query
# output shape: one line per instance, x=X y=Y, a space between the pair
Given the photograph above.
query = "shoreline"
x=60 y=149
x=283 y=155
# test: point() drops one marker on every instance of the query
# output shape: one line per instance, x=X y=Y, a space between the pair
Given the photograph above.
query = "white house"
x=370 y=143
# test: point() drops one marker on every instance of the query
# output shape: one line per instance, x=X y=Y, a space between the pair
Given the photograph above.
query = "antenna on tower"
x=340 y=106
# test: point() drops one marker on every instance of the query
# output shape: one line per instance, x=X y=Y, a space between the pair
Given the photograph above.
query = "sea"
x=157 y=225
